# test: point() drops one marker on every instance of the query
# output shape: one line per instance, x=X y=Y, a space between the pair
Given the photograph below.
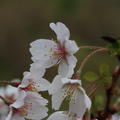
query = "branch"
x=110 y=90
x=90 y=55
x=13 y=83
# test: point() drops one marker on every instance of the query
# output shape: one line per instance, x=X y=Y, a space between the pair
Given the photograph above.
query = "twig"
x=94 y=90
x=5 y=101
x=13 y=83
x=90 y=47
x=110 y=90
x=90 y=55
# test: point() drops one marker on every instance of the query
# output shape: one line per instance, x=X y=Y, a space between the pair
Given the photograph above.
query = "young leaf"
x=99 y=101
x=114 y=48
x=104 y=70
x=90 y=76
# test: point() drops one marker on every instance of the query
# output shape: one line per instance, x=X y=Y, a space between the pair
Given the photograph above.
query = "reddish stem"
x=110 y=90
x=13 y=83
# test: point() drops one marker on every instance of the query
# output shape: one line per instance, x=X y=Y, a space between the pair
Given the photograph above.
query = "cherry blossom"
x=72 y=90
x=33 y=81
x=115 y=117
x=10 y=94
x=30 y=105
x=62 y=115
x=47 y=53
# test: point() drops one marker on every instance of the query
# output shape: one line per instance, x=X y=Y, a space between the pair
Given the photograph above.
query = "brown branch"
x=88 y=56
x=94 y=90
x=110 y=90
x=13 y=83
x=4 y=100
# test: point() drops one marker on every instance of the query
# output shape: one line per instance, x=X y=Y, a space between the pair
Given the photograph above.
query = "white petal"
x=9 y=117
x=37 y=112
x=37 y=70
x=2 y=91
x=10 y=90
x=72 y=81
x=71 y=46
x=72 y=60
x=78 y=105
x=17 y=117
x=42 y=84
x=27 y=79
x=61 y=31
x=88 y=102
x=59 y=116
x=34 y=96
x=42 y=51
x=116 y=117
x=65 y=69
x=3 y=110
x=57 y=99
x=20 y=99
x=37 y=104
x=56 y=85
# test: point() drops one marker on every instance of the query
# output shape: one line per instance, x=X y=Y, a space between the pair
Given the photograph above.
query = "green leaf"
x=90 y=76
x=104 y=69
x=114 y=48
x=99 y=101
x=106 y=75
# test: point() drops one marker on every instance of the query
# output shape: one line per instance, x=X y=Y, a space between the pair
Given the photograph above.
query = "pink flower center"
x=21 y=111
x=71 y=91
x=10 y=99
x=60 y=52
x=30 y=87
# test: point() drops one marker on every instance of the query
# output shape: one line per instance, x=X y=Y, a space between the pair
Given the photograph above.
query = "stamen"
x=70 y=92
x=30 y=87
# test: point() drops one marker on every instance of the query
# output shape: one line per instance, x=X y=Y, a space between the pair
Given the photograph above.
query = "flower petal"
x=72 y=60
x=61 y=31
x=37 y=70
x=65 y=69
x=26 y=80
x=42 y=84
x=79 y=106
x=17 y=117
x=9 y=117
x=72 y=81
x=116 y=117
x=42 y=50
x=20 y=99
x=57 y=99
x=59 y=116
x=37 y=110
x=71 y=46
x=56 y=85
x=10 y=90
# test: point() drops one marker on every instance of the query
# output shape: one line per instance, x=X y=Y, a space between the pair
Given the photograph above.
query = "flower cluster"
x=27 y=102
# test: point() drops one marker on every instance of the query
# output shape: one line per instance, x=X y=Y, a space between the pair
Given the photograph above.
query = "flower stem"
x=13 y=83
x=88 y=56
x=90 y=47
x=94 y=90
x=5 y=101
x=110 y=90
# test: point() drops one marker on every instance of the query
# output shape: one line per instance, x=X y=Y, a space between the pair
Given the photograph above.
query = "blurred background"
x=23 y=21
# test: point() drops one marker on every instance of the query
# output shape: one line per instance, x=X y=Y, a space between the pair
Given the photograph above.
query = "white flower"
x=30 y=105
x=72 y=90
x=116 y=117
x=33 y=81
x=9 y=93
x=48 y=53
x=62 y=115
